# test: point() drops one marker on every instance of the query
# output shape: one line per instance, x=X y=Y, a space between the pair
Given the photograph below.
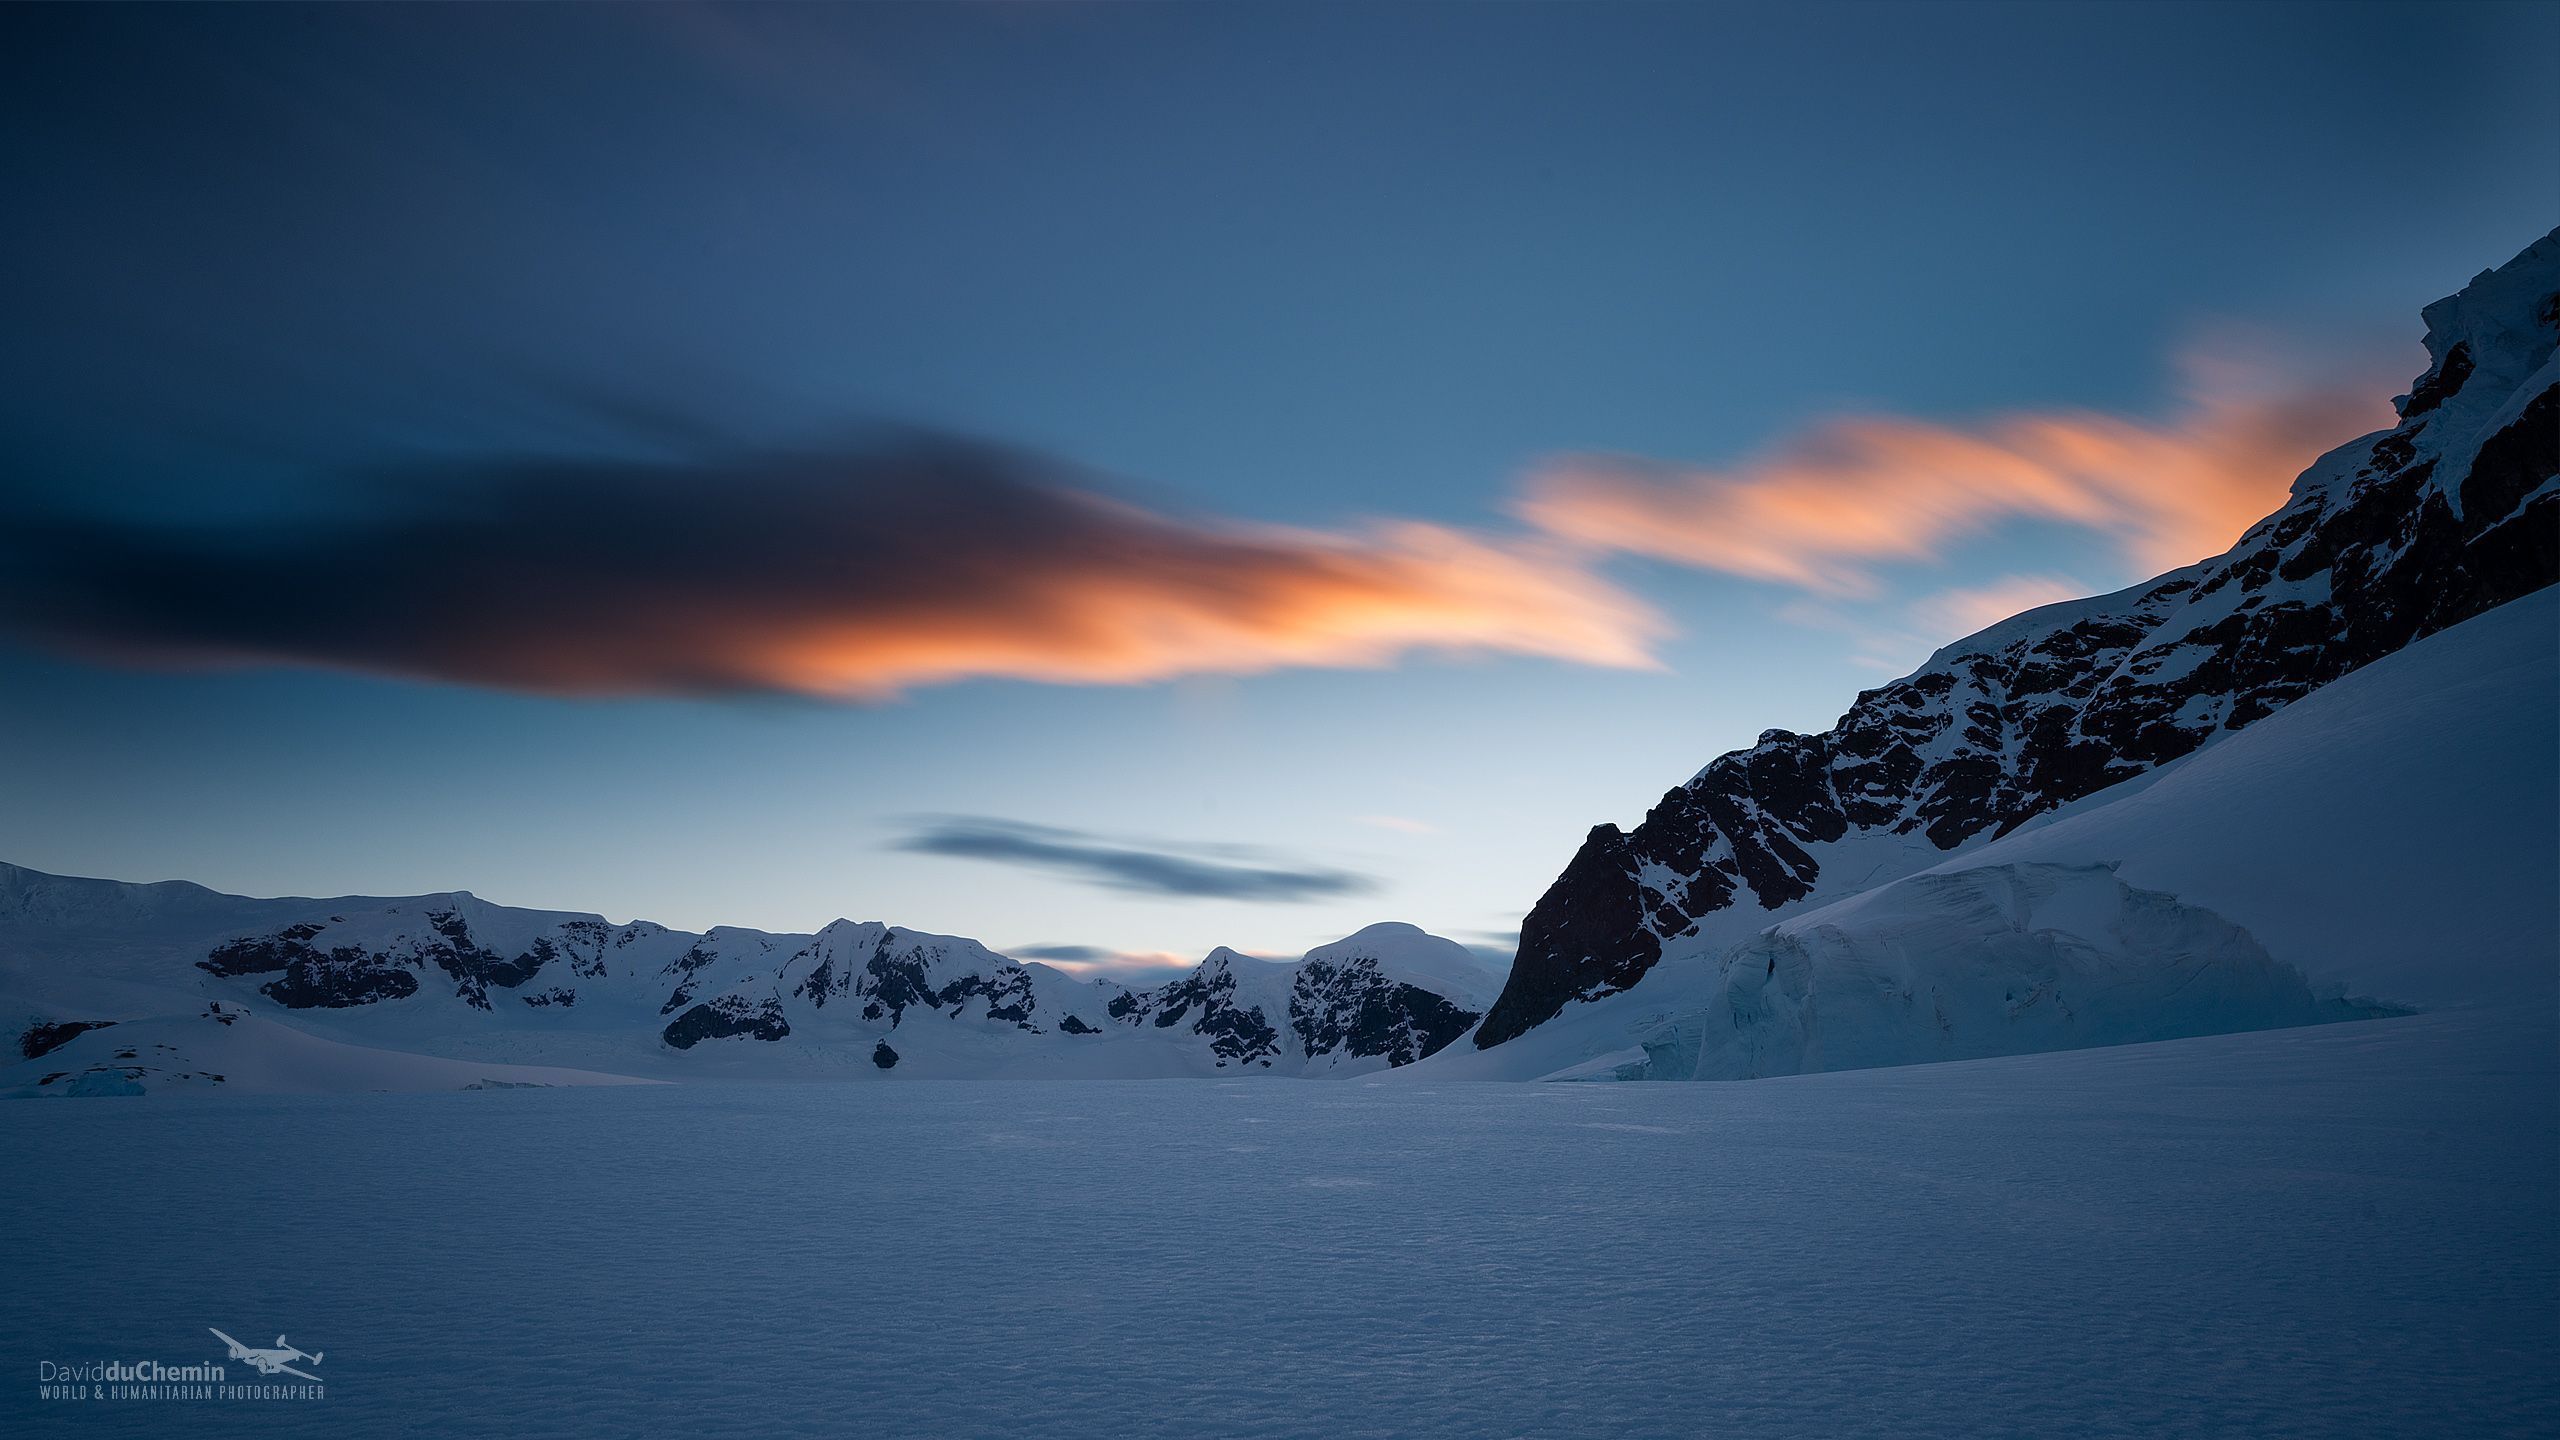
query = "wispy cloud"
x=1402 y=825
x=857 y=573
x=1061 y=954
x=1142 y=867
x=1144 y=967
x=1823 y=511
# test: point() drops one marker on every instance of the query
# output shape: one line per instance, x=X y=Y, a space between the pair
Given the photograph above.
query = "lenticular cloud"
x=855 y=575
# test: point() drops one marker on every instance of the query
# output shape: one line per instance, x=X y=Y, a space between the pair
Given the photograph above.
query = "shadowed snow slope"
x=1989 y=960
x=2338 y=1230
x=2396 y=833
x=2389 y=836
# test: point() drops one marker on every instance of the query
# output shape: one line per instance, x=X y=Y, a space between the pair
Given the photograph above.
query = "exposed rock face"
x=582 y=943
x=1350 y=1008
x=2384 y=541
x=695 y=958
x=44 y=1039
x=261 y=954
x=342 y=976
x=476 y=969
x=340 y=979
x=890 y=971
x=1357 y=999
x=1240 y=1029
x=725 y=1017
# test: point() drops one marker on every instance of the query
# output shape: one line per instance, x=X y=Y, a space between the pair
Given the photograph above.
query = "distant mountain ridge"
x=2384 y=541
x=82 y=962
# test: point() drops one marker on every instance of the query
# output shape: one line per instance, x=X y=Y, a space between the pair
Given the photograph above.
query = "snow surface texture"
x=2339 y=1230
x=1989 y=960
x=201 y=990
x=2391 y=837
x=2384 y=541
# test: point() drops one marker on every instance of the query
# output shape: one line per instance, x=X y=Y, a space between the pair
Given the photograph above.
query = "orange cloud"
x=1135 y=967
x=1226 y=601
x=1822 y=512
x=859 y=575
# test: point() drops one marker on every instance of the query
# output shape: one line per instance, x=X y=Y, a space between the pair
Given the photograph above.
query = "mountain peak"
x=2383 y=541
x=449 y=976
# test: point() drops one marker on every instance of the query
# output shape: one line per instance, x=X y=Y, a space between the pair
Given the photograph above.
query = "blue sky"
x=284 y=273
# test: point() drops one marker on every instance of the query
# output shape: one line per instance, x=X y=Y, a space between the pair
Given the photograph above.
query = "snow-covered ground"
x=2331 y=1230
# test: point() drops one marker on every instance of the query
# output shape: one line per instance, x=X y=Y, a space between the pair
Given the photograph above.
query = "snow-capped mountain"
x=1384 y=997
x=2383 y=542
x=2390 y=835
x=119 y=986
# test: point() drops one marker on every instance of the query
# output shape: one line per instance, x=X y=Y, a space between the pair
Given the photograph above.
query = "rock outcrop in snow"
x=1391 y=994
x=2384 y=541
x=454 y=976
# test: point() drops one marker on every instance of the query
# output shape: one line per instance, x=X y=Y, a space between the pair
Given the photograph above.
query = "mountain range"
x=2309 y=779
x=117 y=987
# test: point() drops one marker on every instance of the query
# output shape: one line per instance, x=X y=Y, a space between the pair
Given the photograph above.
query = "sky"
x=1114 y=481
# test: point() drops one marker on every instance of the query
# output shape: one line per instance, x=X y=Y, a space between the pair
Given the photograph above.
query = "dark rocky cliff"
x=2384 y=541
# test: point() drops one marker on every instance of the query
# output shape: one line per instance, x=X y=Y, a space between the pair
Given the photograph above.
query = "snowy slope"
x=203 y=980
x=1408 y=955
x=2393 y=838
x=2332 y=1231
x=2384 y=541
x=226 y=1050
x=2396 y=834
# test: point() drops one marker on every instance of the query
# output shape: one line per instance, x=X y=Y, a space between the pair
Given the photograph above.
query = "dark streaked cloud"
x=1072 y=954
x=858 y=572
x=1142 y=867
